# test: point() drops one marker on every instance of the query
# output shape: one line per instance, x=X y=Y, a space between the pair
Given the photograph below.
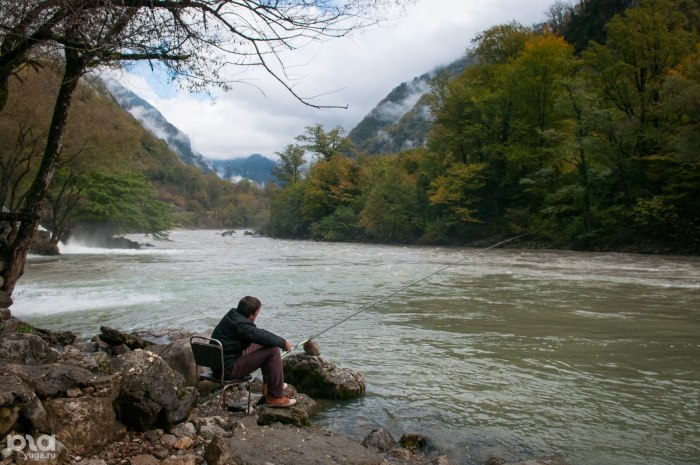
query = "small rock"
x=379 y=440
x=211 y=431
x=311 y=348
x=168 y=440
x=183 y=460
x=403 y=455
x=73 y=392
x=144 y=459
x=115 y=337
x=415 y=442
x=5 y=314
x=162 y=454
x=183 y=443
x=94 y=462
x=88 y=390
x=184 y=430
x=153 y=435
x=217 y=452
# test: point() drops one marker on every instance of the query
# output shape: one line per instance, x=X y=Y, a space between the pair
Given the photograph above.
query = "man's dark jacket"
x=237 y=332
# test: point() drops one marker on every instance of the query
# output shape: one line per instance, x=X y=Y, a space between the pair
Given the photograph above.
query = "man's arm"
x=263 y=337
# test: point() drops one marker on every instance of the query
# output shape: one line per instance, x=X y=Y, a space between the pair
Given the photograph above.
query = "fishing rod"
x=413 y=283
x=386 y=297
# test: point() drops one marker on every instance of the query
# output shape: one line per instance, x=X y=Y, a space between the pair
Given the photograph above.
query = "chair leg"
x=222 y=399
x=248 y=412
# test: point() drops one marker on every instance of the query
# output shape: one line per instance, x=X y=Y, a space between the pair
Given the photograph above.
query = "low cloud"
x=260 y=116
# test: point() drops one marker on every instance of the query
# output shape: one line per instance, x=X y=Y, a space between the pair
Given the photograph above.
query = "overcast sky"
x=357 y=71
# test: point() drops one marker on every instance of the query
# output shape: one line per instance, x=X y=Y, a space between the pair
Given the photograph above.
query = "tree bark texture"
x=16 y=243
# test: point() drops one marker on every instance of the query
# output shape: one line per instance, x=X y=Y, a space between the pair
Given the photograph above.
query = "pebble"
x=73 y=392
x=311 y=348
x=168 y=440
x=183 y=443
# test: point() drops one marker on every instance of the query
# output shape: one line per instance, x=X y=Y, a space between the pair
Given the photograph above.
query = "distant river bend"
x=513 y=353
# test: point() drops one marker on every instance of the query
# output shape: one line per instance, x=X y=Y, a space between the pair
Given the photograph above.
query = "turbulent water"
x=594 y=358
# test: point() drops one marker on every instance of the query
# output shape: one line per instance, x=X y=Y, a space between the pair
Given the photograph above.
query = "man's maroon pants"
x=268 y=359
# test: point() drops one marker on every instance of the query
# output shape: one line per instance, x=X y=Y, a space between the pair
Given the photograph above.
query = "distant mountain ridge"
x=255 y=167
x=402 y=119
x=151 y=119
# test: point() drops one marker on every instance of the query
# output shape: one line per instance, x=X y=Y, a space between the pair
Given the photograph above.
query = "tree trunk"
x=13 y=251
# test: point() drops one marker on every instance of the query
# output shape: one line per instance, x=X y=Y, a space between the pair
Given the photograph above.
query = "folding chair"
x=209 y=353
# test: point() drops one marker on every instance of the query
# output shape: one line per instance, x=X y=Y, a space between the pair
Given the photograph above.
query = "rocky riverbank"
x=134 y=399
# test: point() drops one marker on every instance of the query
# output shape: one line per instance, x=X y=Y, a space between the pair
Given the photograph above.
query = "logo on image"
x=41 y=448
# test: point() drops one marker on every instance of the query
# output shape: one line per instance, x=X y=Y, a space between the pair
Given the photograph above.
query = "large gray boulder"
x=151 y=394
x=32 y=397
x=85 y=424
x=15 y=394
x=114 y=337
x=55 y=380
x=299 y=414
x=178 y=355
x=25 y=348
x=319 y=378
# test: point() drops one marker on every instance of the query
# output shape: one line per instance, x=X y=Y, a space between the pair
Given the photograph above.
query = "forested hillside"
x=402 y=119
x=585 y=144
x=114 y=175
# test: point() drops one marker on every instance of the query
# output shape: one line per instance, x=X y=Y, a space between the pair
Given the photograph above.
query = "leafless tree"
x=195 y=40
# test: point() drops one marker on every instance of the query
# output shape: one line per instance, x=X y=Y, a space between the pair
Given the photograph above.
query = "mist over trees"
x=587 y=138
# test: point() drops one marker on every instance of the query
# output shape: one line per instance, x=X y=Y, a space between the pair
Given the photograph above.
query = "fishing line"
x=428 y=276
x=378 y=301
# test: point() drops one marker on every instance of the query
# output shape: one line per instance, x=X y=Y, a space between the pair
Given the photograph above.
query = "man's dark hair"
x=248 y=306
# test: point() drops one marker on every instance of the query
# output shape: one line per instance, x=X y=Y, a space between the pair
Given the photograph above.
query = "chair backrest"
x=208 y=352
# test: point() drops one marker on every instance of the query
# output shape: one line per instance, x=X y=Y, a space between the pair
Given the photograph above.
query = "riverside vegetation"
x=581 y=131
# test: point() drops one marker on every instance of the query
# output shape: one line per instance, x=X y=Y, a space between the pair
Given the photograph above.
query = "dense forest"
x=114 y=177
x=583 y=131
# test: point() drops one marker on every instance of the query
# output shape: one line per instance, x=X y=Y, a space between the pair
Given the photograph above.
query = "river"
x=591 y=357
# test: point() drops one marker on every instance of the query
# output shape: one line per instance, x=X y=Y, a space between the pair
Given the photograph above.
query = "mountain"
x=402 y=119
x=255 y=167
x=156 y=124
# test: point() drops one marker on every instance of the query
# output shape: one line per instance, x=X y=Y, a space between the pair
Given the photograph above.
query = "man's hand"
x=288 y=346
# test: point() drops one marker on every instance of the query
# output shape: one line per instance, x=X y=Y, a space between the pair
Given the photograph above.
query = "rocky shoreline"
x=134 y=399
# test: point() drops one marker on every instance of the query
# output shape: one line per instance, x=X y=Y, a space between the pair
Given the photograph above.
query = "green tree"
x=286 y=213
x=324 y=145
x=122 y=203
x=629 y=71
x=391 y=211
x=330 y=183
x=288 y=169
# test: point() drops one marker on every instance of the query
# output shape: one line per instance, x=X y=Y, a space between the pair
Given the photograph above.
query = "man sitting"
x=247 y=348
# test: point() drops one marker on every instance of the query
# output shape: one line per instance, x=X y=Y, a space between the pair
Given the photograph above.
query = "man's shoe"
x=282 y=402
